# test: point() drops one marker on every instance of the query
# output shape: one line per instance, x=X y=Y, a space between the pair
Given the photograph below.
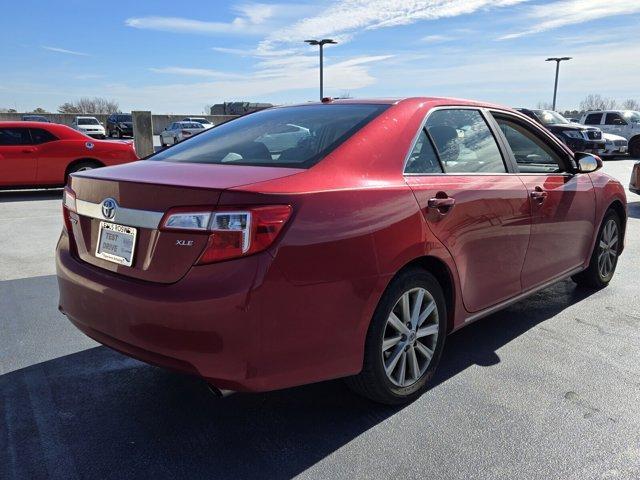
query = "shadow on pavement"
x=98 y=414
x=28 y=195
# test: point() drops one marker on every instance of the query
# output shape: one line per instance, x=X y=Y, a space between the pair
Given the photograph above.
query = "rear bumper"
x=239 y=324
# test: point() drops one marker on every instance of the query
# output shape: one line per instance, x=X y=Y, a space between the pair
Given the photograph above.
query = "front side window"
x=39 y=136
x=423 y=157
x=532 y=154
x=464 y=142
x=593 y=119
x=614 y=119
x=296 y=137
x=14 y=136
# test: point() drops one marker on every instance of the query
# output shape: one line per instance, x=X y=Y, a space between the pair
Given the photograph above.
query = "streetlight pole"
x=321 y=44
x=555 y=87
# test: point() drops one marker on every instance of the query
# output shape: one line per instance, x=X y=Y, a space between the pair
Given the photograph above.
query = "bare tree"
x=90 y=105
x=39 y=110
x=544 y=106
x=630 y=104
x=597 y=102
x=345 y=94
x=8 y=110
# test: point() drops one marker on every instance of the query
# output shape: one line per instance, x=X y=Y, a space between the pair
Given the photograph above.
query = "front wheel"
x=405 y=340
x=604 y=258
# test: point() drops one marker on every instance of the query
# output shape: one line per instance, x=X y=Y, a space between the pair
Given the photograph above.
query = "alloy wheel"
x=608 y=248
x=410 y=337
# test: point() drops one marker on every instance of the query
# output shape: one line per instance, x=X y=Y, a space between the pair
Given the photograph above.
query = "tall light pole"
x=555 y=87
x=320 y=43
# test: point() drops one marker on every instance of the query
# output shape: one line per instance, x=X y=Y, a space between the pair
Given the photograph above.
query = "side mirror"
x=587 y=162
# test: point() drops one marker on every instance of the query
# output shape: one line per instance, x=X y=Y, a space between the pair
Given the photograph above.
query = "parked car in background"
x=614 y=145
x=352 y=254
x=35 y=118
x=625 y=123
x=45 y=154
x=120 y=125
x=634 y=184
x=178 y=131
x=89 y=126
x=577 y=137
x=205 y=123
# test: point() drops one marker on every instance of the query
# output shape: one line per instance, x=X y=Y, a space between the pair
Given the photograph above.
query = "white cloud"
x=252 y=19
x=350 y=16
x=436 y=39
x=570 y=12
x=64 y=50
x=194 y=72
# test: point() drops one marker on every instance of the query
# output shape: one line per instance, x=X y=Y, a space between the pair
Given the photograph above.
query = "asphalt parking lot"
x=548 y=388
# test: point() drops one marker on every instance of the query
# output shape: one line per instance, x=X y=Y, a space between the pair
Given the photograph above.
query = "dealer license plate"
x=116 y=243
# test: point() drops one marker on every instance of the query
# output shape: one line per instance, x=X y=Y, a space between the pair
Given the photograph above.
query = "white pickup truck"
x=625 y=123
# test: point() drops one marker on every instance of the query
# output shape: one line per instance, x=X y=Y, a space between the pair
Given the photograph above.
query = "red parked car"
x=44 y=154
x=340 y=239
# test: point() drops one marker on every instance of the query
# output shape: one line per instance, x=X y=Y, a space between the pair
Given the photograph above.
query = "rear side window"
x=593 y=119
x=15 y=136
x=464 y=142
x=423 y=157
x=614 y=119
x=42 y=136
x=296 y=137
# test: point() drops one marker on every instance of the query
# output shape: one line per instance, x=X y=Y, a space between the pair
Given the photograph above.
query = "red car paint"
x=47 y=164
x=299 y=311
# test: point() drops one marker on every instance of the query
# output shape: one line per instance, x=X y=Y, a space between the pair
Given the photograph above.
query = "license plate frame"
x=121 y=232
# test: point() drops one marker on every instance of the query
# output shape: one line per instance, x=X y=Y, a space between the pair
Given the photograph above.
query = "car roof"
x=55 y=128
x=434 y=101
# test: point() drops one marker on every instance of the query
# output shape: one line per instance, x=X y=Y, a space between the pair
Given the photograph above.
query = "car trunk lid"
x=142 y=193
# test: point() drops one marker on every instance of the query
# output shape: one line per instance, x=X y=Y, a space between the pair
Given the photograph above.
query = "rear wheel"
x=604 y=258
x=404 y=341
x=81 y=167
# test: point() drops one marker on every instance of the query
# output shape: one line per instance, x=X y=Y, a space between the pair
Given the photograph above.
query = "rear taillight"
x=68 y=205
x=232 y=233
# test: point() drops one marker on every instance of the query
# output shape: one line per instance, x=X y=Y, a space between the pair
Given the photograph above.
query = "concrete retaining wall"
x=159 y=121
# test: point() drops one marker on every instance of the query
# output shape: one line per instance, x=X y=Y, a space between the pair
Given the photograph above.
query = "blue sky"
x=178 y=57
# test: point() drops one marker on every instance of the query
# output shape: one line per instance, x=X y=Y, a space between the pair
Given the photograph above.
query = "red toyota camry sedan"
x=339 y=239
x=44 y=154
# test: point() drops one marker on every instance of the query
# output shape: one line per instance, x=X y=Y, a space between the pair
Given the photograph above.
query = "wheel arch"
x=78 y=161
x=619 y=208
x=443 y=274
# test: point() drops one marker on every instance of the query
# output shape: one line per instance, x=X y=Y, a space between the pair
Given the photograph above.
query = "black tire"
x=593 y=277
x=634 y=147
x=373 y=382
x=81 y=166
x=119 y=133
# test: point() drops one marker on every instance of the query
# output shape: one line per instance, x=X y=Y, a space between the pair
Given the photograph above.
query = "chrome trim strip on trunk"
x=123 y=216
x=521 y=296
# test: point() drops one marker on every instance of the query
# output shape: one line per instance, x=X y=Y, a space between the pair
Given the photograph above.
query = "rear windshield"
x=88 y=121
x=280 y=137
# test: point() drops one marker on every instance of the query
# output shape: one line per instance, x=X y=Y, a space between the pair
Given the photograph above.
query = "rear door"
x=562 y=203
x=471 y=203
x=18 y=157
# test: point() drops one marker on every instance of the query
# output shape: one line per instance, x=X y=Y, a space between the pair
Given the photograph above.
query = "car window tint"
x=423 y=157
x=464 y=142
x=532 y=154
x=593 y=119
x=614 y=119
x=298 y=136
x=14 y=136
x=42 y=136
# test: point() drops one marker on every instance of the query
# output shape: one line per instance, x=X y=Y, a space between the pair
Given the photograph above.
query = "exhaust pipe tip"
x=219 y=393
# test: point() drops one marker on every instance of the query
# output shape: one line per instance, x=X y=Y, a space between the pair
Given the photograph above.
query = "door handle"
x=539 y=195
x=28 y=150
x=441 y=204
